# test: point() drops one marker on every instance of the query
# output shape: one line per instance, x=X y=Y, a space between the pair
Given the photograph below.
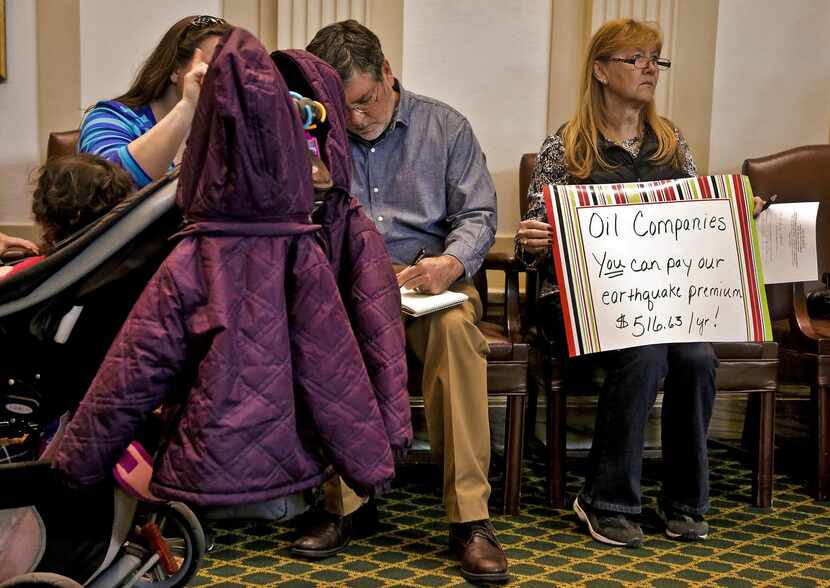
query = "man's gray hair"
x=348 y=46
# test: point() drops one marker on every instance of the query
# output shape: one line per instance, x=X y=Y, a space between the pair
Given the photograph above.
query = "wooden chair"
x=506 y=370
x=745 y=369
x=803 y=175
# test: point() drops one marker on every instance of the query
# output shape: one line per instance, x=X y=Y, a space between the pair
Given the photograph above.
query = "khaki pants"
x=452 y=352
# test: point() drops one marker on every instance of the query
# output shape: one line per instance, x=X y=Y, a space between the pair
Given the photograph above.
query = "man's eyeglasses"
x=363 y=106
x=205 y=20
x=643 y=61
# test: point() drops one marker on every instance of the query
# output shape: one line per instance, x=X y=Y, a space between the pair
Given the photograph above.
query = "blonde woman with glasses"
x=617 y=136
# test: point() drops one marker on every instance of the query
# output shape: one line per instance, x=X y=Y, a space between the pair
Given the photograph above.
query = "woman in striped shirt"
x=144 y=130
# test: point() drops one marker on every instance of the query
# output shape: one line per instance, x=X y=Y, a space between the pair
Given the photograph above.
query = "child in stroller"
x=40 y=304
x=57 y=318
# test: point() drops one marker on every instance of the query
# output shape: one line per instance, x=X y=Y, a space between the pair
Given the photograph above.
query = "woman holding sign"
x=617 y=136
x=144 y=130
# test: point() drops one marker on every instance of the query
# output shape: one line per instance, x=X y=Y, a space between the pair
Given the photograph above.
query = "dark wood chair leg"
x=821 y=402
x=513 y=451
x=532 y=406
x=763 y=474
x=556 y=439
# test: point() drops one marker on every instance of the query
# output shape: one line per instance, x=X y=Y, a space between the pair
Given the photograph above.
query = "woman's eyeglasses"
x=205 y=20
x=643 y=61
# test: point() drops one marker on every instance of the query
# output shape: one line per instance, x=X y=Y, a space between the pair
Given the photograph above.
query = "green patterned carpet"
x=788 y=547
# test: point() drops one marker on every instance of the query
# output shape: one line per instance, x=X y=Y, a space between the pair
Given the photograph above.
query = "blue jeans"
x=616 y=458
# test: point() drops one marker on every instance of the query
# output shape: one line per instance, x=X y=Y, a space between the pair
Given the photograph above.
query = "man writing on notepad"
x=418 y=170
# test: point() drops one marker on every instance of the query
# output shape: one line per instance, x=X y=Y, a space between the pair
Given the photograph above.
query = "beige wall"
x=750 y=77
x=772 y=79
x=19 y=152
x=117 y=36
x=489 y=60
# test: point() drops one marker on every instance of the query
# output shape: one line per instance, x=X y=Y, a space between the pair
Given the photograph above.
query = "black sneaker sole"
x=690 y=537
x=686 y=536
x=583 y=516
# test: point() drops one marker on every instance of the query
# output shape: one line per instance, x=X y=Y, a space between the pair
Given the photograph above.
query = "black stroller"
x=57 y=320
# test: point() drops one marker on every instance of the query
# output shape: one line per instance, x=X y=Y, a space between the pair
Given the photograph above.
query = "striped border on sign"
x=570 y=264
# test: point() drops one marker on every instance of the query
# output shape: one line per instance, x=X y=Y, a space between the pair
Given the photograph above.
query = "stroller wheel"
x=41 y=579
x=183 y=533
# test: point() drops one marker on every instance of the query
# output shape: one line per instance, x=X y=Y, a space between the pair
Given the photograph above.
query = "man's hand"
x=431 y=275
x=7 y=242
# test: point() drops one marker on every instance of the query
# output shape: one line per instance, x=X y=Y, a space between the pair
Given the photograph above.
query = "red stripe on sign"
x=584 y=197
x=619 y=194
x=704 y=186
x=560 y=274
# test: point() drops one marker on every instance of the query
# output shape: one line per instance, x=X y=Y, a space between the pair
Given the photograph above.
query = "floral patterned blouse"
x=551 y=168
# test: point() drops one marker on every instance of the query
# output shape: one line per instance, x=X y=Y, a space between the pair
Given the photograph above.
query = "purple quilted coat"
x=241 y=333
x=356 y=249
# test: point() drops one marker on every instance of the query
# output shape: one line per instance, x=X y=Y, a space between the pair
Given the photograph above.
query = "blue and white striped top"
x=107 y=130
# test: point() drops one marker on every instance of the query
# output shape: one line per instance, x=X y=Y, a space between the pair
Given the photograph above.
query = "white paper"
x=649 y=284
x=787 y=233
x=415 y=304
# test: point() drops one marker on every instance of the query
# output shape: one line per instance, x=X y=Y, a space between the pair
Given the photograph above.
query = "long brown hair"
x=581 y=134
x=175 y=50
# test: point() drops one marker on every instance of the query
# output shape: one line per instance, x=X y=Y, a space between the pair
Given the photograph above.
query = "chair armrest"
x=503 y=261
x=14 y=255
x=511 y=267
x=801 y=324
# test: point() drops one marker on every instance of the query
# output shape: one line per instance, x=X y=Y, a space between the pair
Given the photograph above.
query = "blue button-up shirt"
x=425 y=183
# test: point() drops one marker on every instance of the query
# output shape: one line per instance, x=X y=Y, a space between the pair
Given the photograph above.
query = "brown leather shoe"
x=480 y=553
x=327 y=534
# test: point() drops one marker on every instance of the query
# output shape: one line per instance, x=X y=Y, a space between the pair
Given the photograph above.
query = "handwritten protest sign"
x=657 y=262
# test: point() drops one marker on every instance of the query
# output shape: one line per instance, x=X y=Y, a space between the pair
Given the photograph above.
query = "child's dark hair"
x=73 y=191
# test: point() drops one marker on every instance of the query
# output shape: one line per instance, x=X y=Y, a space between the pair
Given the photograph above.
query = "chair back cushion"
x=797 y=175
x=63 y=143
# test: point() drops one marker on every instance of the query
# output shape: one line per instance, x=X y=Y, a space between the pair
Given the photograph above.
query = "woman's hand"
x=192 y=81
x=533 y=236
x=165 y=142
x=759 y=205
x=7 y=242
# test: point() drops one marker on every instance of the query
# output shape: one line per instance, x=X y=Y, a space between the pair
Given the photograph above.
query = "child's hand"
x=7 y=242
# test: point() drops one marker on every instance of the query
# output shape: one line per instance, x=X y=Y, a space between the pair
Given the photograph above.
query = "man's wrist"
x=458 y=265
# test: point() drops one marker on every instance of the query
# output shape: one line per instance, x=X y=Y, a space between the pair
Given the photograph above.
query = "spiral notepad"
x=414 y=304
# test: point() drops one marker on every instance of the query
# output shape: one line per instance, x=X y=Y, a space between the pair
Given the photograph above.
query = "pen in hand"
x=767 y=204
x=422 y=253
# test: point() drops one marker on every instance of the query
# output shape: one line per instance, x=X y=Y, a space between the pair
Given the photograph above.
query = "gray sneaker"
x=612 y=528
x=683 y=526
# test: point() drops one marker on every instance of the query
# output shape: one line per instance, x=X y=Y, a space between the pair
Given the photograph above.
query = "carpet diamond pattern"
x=789 y=546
